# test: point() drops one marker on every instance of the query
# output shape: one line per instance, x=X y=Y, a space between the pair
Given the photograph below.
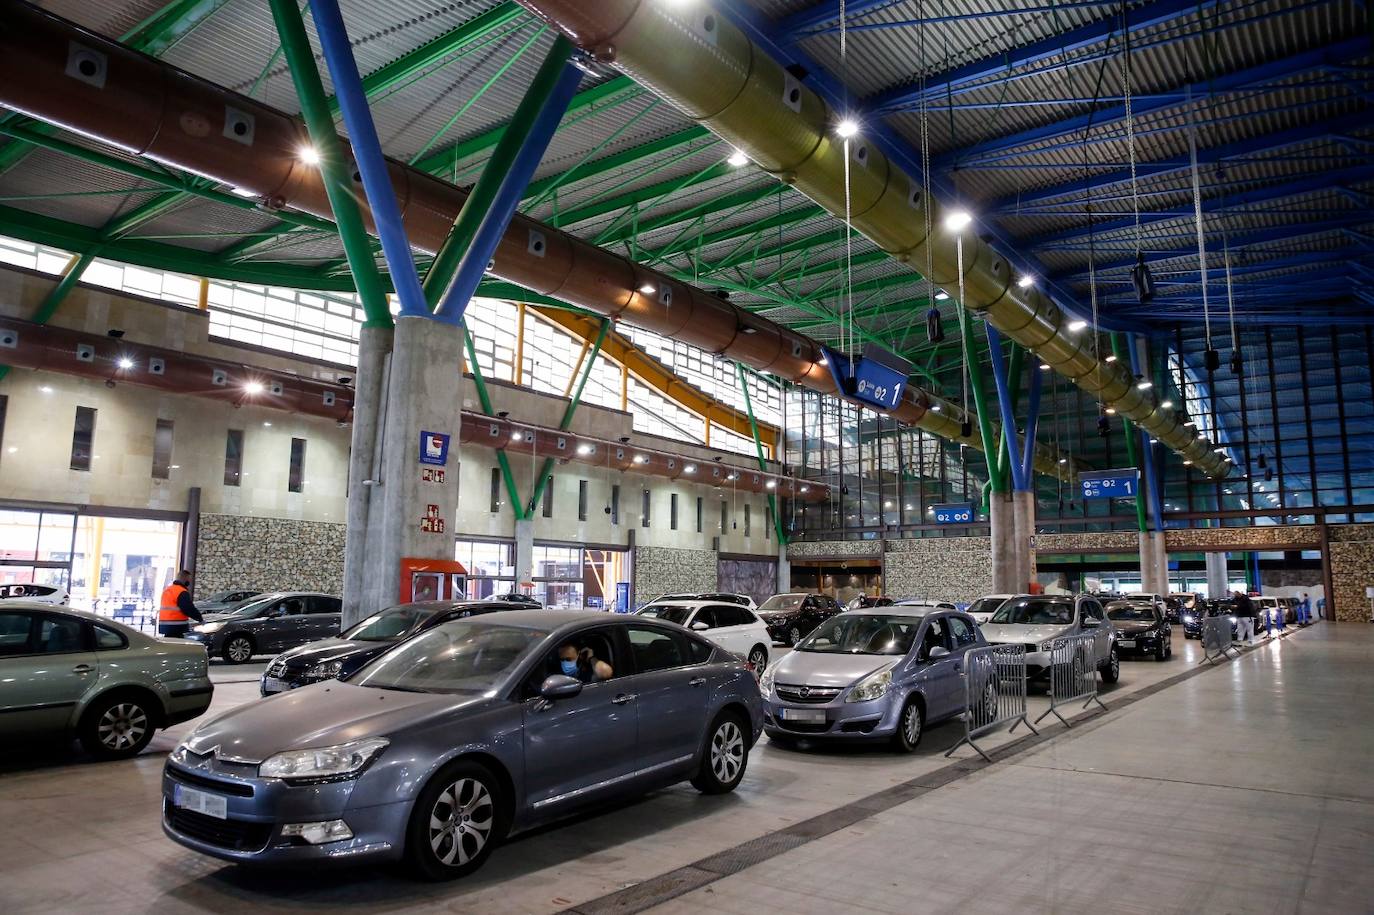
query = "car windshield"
x=1033 y=611
x=462 y=656
x=671 y=614
x=255 y=606
x=986 y=604
x=387 y=626
x=220 y=597
x=863 y=633
x=1131 y=612
x=782 y=602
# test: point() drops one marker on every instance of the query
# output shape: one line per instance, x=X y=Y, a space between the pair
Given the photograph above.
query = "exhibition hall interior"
x=812 y=456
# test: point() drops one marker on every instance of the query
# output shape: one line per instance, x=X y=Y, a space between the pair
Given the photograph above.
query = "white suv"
x=1036 y=620
x=733 y=627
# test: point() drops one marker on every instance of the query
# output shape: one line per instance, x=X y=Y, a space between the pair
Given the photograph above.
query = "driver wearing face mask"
x=582 y=665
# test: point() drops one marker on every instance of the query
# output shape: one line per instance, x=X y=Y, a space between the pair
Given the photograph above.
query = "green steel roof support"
x=435 y=50
x=338 y=184
x=162 y=203
x=623 y=159
x=830 y=236
x=758 y=450
x=778 y=220
x=153 y=36
x=483 y=193
x=566 y=423
x=446 y=159
x=980 y=401
x=484 y=398
x=709 y=208
x=1128 y=428
x=53 y=300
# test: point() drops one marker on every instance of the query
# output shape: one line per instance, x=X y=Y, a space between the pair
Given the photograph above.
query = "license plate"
x=212 y=805
x=273 y=685
x=807 y=715
x=1126 y=643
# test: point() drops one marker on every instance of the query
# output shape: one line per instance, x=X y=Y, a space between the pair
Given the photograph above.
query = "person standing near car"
x=177 y=610
x=1245 y=618
x=1304 y=610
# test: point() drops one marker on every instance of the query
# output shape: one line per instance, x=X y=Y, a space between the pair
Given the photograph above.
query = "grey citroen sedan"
x=268 y=624
x=476 y=729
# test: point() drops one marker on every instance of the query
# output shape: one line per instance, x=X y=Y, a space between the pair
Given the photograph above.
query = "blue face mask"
x=569 y=667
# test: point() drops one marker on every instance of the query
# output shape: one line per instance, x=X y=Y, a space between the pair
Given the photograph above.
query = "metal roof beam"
x=706 y=239
x=1253 y=146
x=624 y=159
x=1271 y=71
x=1061 y=45
x=1221 y=202
x=720 y=204
x=793 y=28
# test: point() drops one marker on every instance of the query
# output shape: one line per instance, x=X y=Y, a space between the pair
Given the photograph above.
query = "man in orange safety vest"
x=177 y=610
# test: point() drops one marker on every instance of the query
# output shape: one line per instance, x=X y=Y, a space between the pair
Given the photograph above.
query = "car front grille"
x=210 y=784
x=1032 y=647
x=235 y=835
x=803 y=727
x=807 y=694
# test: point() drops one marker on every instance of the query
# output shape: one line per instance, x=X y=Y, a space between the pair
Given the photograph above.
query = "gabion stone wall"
x=270 y=554
x=958 y=569
x=833 y=549
x=660 y=570
x=1263 y=537
x=1352 y=569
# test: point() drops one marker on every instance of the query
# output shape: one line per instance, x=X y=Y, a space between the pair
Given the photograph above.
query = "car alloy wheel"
x=727 y=751
x=1112 y=672
x=989 y=704
x=758 y=659
x=909 y=727
x=122 y=727
x=794 y=636
x=460 y=822
x=238 y=650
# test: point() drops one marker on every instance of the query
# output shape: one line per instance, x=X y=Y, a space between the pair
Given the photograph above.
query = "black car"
x=1192 y=619
x=1173 y=609
x=517 y=601
x=223 y=601
x=1141 y=629
x=791 y=617
x=329 y=659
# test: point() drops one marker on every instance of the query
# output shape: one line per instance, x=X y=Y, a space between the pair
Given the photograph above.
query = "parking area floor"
x=1242 y=788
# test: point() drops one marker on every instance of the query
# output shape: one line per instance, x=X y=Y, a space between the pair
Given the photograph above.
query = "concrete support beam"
x=1002 y=527
x=524 y=551
x=370 y=386
x=1217 y=581
x=1023 y=533
x=422 y=395
x=1154 y=563
x=784 y=570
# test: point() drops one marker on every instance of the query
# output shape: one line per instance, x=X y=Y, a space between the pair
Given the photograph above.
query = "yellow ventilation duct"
x=698 y=60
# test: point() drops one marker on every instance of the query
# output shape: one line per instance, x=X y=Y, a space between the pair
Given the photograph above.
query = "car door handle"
x=82 y=669
x=623 y=699
x=697 y=681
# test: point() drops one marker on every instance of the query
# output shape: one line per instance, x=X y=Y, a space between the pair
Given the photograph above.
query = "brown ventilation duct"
x=47 y=348
x=56 y=71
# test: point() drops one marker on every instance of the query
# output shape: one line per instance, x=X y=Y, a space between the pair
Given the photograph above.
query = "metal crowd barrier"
x=994 y=692
x=1073 y=674
x=1216 y=638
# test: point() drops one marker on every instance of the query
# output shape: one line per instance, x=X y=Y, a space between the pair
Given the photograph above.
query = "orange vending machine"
x=432 y=579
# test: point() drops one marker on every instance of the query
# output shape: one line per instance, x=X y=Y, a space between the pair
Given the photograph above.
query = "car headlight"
x=766 y=681
x=871 y=687
x=323 y=762
x=326 y=670
x=1233 y=619
x=179 y=754
x=208 y=628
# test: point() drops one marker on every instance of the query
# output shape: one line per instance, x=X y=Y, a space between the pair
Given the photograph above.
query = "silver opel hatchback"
x=881 y=674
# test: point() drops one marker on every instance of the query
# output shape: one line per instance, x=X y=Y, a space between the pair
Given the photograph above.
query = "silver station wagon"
x=67 y=673
x=883 y=674
x=475 y=729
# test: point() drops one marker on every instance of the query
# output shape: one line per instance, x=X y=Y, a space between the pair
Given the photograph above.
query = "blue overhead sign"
x=1110 y=484
x=954 y=513
x=876 y=379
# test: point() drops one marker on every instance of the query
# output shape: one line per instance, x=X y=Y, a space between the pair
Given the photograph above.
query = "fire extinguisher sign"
x=434 y=448
x=432 y=522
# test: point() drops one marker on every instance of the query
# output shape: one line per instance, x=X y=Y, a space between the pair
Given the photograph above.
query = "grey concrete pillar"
x=1217 y=579
x=1154 y=563
x=1002 y=531
x=1161 y=558
x=369 y=399
x=784 y=582
x=524 y=552
x=413 y=514
x=1023 y=532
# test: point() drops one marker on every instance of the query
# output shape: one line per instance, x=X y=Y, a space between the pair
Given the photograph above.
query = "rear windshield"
x=1130 y=612
x=387 y=626
x=670 y=614
x=986 y=604
x=1032 y=611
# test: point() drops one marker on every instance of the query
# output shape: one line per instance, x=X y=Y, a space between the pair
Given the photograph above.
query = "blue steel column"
x=367 y=151
x=1022 y=465
x=999 y=376
x=1032 y=429
x=495 y=221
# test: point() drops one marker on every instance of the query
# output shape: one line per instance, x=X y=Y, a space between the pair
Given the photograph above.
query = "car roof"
x=684 y=602
x=55 y=608
x=901 y=610
x=997 y=597
x=556 y=619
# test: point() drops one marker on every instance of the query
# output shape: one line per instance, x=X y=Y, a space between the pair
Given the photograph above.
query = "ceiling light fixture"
x=126 y=363
x=848 y=127
x=1076 y=326
x=648 y=289
x=1026 y=282
x=1044 y=366
x=253 y=387
x=1167 y=404
x=941 y=296
x=585 y=449
x=309 y=155
x=1111 y=358
x=517 y=437
x=641 y=459
x=958 y=220
x=1144 y=384
x=738 y=159
x=689 y=468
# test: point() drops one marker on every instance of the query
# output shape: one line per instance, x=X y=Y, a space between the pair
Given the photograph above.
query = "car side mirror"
x=938 y=652
x=1090 y=623
x=559 y=686
x=699 y=626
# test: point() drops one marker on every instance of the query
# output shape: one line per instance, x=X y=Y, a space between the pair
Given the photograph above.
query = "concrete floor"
x=1242 y=788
